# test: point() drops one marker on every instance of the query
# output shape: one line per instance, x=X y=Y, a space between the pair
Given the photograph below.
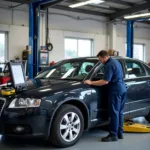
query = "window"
x=98 y=73
x=86 y=68
x=138 y=51
x=2 y=47
x=134 y=69
x=71 y=70
x=77 y=48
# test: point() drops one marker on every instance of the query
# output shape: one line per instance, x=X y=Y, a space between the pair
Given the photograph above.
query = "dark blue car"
x=57 y=105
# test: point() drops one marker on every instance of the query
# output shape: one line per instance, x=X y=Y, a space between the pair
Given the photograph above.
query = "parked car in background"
x=57 y=105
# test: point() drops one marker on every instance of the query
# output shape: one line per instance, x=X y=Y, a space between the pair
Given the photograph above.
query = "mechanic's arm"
x=96 y=83
x=107 y=77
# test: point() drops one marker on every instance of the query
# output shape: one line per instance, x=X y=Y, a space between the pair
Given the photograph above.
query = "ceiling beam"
x=18 y=1
x=104 y=8
x=53 y=5
x=94 y=6
x=120 y=2
x=80 y=11
x=128 y=11
x=44 y=6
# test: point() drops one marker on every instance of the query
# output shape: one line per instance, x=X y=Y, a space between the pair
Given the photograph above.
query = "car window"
x=134 y=69
x=147 y=69
x=86 y=68
x=98 y=73
x=76 y=70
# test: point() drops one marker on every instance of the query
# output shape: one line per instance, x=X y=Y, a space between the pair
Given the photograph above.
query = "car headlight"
x=25 y=103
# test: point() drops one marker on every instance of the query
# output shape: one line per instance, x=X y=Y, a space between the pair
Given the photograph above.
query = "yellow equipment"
x=136 y=127
x=8 y=91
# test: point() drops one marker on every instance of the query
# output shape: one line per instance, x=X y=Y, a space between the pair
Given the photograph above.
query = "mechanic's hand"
x=88 y=82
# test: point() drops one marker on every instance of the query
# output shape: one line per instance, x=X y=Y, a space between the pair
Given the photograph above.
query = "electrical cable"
x=49 y=45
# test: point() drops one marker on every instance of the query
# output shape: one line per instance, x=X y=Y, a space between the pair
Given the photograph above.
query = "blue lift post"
x=130 y=35
x=34 y=26
x=130 y=38
x=31 y=40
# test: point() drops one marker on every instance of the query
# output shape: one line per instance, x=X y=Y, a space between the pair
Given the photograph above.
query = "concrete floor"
x=91 y=140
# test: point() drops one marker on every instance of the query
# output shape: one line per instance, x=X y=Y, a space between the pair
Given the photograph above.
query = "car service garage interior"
x=74 y=74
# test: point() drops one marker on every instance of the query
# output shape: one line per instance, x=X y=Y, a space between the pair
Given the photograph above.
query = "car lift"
x=130 y=35
x=35 y=6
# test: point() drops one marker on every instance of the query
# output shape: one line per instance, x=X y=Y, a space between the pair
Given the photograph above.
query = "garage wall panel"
x=5 y=16
x=140 y=31
x=68 y=24
x=69 y=21
x=18 y=39
x=4 y=27
x=20 y=18
x=57 y=39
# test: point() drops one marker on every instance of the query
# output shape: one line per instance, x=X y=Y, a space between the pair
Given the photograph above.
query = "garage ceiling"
x=110 y=8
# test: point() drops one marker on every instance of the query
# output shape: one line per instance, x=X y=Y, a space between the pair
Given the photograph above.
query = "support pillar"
x=130 y=38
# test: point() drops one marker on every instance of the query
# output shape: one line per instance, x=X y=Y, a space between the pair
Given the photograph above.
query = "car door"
x=138 y=87
x=100 y=95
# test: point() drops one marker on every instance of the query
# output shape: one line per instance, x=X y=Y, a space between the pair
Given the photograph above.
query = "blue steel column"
x=34 y=45
x=37 y=40
x=31 y=40
x=130 y=38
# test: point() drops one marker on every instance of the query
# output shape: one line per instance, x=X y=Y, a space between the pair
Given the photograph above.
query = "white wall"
x=15 y=23
x=57 y=38
x=69 y=26
x=86 y=26
x=141 y=36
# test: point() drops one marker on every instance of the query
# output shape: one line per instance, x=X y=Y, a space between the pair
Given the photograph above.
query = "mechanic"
x=113 y=76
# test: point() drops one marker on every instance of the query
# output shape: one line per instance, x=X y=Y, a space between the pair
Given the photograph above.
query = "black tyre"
x=67 y=127
x=148 y=117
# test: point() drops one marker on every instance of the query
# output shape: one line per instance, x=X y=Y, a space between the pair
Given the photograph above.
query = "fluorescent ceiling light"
x=86 y=3
x=137 y=16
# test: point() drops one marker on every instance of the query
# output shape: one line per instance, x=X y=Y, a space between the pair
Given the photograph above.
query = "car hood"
x=45 y=87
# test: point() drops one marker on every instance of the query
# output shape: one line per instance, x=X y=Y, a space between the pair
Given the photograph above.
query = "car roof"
x=93 y=58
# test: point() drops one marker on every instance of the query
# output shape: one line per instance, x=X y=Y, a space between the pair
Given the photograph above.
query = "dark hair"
x=103 y=54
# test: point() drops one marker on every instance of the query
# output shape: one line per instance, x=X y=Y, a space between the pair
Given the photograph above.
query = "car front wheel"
x=67 y=127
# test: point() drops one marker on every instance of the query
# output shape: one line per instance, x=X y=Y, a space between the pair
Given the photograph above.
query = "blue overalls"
x=113 y=73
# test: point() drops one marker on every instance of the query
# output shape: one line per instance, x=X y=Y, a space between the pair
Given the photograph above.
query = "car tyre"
x=148 y=117
x=67 y=127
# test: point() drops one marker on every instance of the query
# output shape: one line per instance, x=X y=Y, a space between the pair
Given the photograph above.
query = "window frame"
x=79 y=38
x=94 y=61
x=98 y=65
x=136 y=60
x=133 y=50
x=143 y=49
x=6 y=54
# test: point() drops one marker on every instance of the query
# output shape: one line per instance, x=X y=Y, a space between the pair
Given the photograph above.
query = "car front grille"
x=2 y=101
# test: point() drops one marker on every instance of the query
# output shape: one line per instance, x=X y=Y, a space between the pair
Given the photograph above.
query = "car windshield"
x=69 y=70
